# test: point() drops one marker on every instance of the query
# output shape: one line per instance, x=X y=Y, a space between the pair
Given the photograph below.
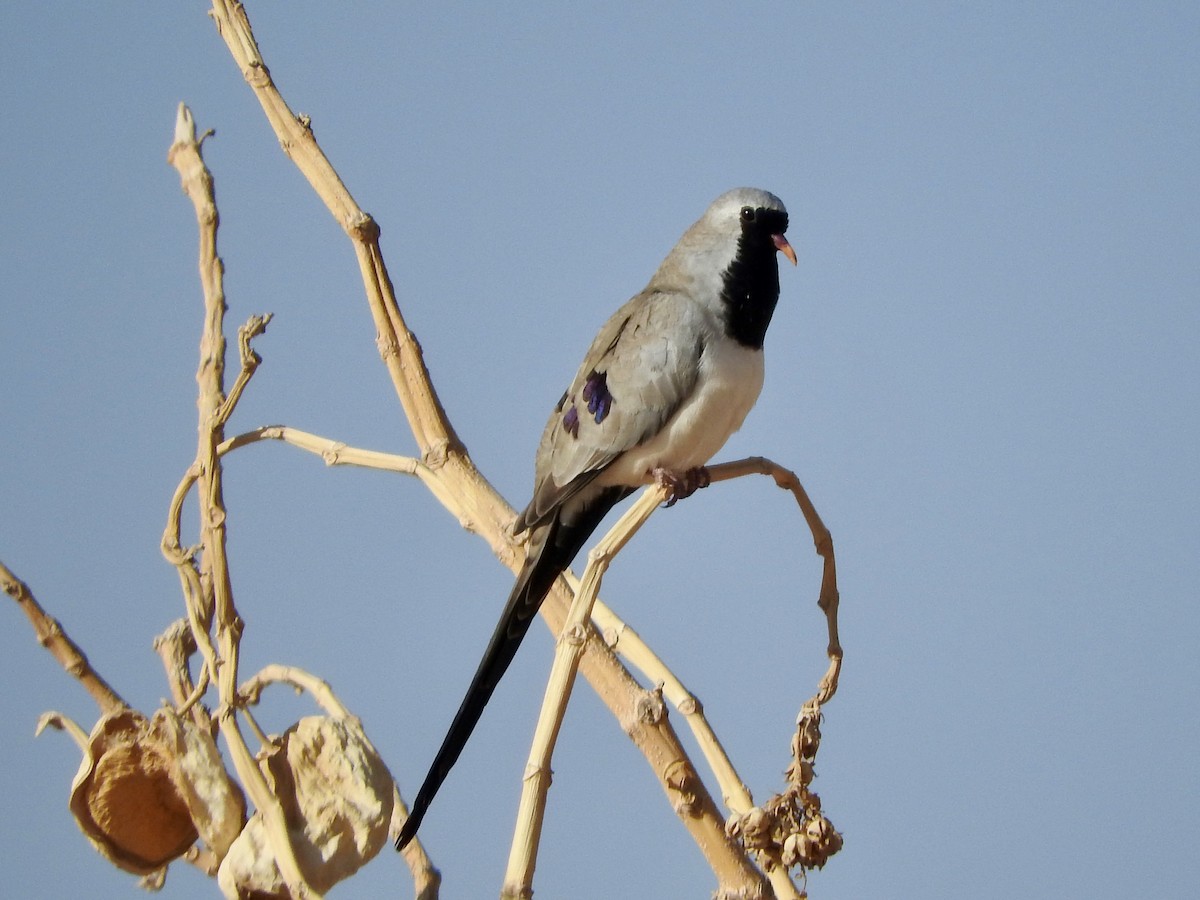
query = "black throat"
x=751 y=283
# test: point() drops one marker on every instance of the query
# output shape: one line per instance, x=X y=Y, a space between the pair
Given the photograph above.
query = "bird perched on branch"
x=665 y=383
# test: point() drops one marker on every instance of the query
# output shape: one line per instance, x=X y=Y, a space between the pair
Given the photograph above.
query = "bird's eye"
x=747 y=213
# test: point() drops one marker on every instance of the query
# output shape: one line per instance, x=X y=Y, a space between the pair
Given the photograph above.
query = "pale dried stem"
x=522 y=858
x=397 y=345
x=300 y=680
x=54 y=719
x=631 y=647
x=50 y=634
x=523 y=852
x=208 y=592
x=827 y=599
x=427 y=880
x=254 y=326
x=175 y=647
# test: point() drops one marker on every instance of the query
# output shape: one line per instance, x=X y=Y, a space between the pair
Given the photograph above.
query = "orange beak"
x=782 y=245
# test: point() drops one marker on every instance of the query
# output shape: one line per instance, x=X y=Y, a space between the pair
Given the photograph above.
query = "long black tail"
x=552 y=548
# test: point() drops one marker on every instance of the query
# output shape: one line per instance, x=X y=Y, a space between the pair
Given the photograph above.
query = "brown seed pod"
x=337 y=799
x=125 y=796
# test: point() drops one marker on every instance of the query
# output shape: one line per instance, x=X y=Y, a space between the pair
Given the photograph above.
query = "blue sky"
x=984 y=369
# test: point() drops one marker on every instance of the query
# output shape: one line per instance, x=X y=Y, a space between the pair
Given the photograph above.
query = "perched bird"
x=665 y=383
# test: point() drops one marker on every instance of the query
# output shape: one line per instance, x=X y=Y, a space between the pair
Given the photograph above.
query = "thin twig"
x=300 y=680
x=175 y=647
x=522 y=859
x=523 y=852
x=62 y=722
x=210 y=593
x=828 y=597
x=254 y=326
x=50 y=635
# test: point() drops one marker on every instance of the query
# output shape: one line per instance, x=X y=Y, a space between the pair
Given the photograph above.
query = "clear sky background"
x=984 y=369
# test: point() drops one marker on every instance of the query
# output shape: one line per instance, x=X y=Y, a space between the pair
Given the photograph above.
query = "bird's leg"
x=681 y=484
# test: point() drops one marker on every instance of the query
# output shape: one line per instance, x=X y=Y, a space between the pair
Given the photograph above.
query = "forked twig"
x=828 y=597
x=208 y=592
x=523 y=853
x=522 y=858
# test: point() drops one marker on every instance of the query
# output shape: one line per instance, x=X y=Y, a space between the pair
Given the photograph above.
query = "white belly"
x=730 y=379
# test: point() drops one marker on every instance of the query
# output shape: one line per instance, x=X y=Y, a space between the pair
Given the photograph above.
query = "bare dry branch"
x=518 y=878
x=397 y=345
x=523 y=853
x=175 y=647
x=827 y=600
x=50 y=635
x=208 y=590
x=62 y=722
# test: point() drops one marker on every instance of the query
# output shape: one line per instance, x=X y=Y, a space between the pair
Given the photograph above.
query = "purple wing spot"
x=595 y=392
x=571 y=422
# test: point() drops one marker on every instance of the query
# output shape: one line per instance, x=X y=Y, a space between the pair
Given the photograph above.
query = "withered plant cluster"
x=306 y=810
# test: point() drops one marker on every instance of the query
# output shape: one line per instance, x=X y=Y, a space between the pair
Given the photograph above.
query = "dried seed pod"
x=147 y=788
x=337 y=799
x=790 y=854
x=214 y=801
x=818 y=842
x=800 y=773
x=808 y=737
x=125 y=796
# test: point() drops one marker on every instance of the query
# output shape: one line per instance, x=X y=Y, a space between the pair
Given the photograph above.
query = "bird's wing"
x=642 y=366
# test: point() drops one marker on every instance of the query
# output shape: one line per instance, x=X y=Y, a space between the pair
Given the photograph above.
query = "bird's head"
x=728 y=260
x=754 y=216
x=744 y=221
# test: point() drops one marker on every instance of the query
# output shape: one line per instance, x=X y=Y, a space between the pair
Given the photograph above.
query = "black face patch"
x=765 y=222
x=751 y=283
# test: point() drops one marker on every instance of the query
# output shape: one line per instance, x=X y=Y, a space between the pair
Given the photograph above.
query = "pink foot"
x=681 y=484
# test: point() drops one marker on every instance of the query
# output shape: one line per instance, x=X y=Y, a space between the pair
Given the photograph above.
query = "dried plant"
x=152 y=789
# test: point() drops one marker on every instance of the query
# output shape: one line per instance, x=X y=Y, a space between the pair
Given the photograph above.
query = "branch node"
x=650 y=707
x=364 y=228
x=388 y=346
x=330 y=455
x=257 y=74
x=436 y=454
x=681 y=778
x=575 y=635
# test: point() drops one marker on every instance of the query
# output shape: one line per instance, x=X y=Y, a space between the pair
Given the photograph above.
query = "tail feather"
x=552 y=548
